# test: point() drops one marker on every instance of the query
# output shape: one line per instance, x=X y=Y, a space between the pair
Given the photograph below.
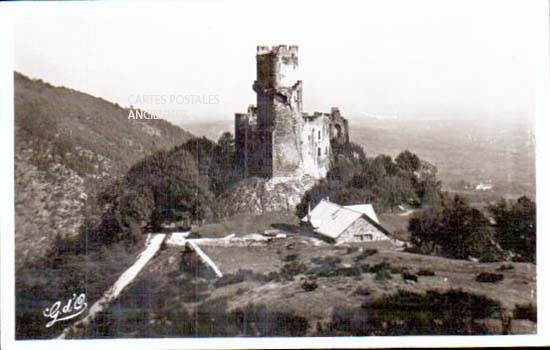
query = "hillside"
x=263 y=292
x=68 y=146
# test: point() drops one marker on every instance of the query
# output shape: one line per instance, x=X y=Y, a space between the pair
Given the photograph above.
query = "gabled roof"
x=331 y=219
x=366 y=209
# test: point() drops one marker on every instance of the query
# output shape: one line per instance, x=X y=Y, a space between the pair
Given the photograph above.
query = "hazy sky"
x=440 y=59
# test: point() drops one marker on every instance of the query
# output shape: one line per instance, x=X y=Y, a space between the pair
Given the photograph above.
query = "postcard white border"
x=538 y=9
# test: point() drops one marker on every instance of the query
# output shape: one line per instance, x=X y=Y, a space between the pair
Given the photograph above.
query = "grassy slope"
x=161 y=289
x=67 y=146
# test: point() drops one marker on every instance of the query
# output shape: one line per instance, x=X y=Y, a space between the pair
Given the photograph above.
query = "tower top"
x=285 y=50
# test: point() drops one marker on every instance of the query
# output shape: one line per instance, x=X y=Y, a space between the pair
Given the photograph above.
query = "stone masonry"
x=276 y=138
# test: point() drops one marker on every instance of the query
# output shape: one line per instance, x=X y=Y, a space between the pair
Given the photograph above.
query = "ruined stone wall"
x=316 y=145
x=288 y=126
x=338 y=127
x=242 y=136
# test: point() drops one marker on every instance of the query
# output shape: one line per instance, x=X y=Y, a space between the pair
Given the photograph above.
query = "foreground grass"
x=53 y=278
x=320 y=291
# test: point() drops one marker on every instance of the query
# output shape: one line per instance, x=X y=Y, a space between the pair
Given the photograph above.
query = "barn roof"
x=331 y=219
x=366 y=209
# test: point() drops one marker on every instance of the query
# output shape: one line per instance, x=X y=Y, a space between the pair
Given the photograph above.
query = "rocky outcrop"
x=259 y=196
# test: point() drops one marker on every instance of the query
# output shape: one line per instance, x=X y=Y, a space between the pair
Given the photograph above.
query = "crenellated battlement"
x=283 y=50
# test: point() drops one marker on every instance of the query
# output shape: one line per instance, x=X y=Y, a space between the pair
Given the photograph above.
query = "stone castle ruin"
x=276 y=138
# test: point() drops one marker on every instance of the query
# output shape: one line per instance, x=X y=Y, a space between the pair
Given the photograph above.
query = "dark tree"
x=456 y=230
x=408 y=161
x=516 y=227
x=381 y=181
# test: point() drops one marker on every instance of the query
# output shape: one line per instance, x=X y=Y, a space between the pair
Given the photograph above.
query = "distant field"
x=465 y=153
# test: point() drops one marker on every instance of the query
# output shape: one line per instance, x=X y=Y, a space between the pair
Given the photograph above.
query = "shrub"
x=409 y=277
x=290 y=257
x=365 y=254
x=526 y=312
x=374 y=269
x=288 y=271
x=489 y=277
x=228 y=279
x=260 y=320
x=408 y=313
x=505 y=267
x=239 y=277
x=272 y=275
x=382 y=275
x=331 y=271
x=425 y=272
x=327 y=260
x=398 y=269
x=348 y=271
x=309 y=285
x=362 y=291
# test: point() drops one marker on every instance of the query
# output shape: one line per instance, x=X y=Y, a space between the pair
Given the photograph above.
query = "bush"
x=327 y=260
x=408 y=313
x=362 y=291
x=376 y=268
x=348 y=271
x=425 y=272
x=228 y=279
x=240 y=276
x=489 y=277
x=382 y=270
x=288 y=271
x=262 y=321
x=382 y=275
x=290 y=257
x=409 y=277
x=505 y=267
x=398 y=269
x=365 y=254
x=332 y=271
x=526 y=312
x=309 y=285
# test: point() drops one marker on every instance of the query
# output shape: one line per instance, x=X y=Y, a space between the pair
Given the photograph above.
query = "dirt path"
x=152 y=245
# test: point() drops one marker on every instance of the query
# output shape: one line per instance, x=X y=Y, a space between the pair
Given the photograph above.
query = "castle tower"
x=279 y=112
x=275 y=138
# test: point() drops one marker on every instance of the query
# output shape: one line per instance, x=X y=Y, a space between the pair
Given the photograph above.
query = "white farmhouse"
x=352 y=223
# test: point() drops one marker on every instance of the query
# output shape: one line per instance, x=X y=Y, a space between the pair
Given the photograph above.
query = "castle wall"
x=316 y=145
x=338 y=127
